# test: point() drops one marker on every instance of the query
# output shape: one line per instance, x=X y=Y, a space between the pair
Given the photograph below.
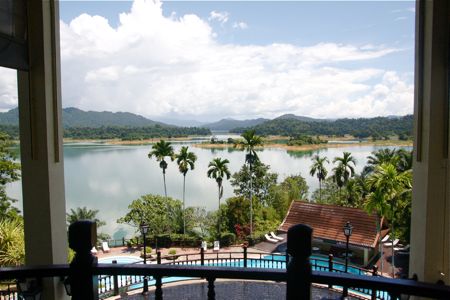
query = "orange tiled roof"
x=328 y=221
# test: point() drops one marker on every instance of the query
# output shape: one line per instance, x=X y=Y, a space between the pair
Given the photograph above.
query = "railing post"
x=245 y=256
x=374 y=291
x=82 y=237
x=158 y=280
x=330 y=267
x=116 y=281
x=211 y=291
x=299 y=267
x=202 y=256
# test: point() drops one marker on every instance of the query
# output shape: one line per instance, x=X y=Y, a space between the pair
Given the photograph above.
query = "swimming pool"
x=268 y=262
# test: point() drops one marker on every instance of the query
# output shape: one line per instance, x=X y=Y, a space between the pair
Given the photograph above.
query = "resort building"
x=327 y=222
x=29 y=42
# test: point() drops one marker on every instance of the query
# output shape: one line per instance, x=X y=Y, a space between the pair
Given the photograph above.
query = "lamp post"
x=348 y=228
x=144 y=230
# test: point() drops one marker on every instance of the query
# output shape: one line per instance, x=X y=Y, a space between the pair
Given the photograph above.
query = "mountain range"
x=73 y=117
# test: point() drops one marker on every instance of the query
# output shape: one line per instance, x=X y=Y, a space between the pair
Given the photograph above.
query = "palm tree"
x=379 y=157
x=319 y=168
x=344 y=170
x=218 y=169
x=83 y=213
x=393 y=185
x=161 y=150
x=185 y=160
x=376 y=202
x=249 y=142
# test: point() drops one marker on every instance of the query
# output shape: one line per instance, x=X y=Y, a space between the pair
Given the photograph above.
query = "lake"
x=109 y=177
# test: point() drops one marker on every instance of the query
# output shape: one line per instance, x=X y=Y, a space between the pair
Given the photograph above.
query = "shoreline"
x=342 y=143
x=311 y=147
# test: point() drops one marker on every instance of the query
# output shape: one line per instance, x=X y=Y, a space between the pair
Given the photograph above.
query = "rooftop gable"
x=328 y=222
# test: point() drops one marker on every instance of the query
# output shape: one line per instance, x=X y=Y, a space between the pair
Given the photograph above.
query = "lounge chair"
x=273 y=235
x=390 y=244
x=94 y=250
x=269 y=239
x=402 y=249
x=105 y=247
x=204 y=246
x=216 y=246
x=385 y=239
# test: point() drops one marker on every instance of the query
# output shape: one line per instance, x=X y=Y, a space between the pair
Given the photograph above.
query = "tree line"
x=380 y=127
x=122 y=133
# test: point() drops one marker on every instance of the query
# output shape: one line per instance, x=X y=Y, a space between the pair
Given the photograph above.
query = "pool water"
x=268 y=262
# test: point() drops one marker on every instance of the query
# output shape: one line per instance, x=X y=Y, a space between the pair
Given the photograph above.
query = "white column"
x=430 y=207
x=41 y=145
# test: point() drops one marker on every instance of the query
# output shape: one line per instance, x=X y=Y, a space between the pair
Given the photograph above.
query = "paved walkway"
x=229 y=290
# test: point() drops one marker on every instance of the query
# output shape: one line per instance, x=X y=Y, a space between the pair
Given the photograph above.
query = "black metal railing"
x=299 y=275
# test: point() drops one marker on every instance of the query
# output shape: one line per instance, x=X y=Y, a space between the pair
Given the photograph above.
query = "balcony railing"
x=298 y=276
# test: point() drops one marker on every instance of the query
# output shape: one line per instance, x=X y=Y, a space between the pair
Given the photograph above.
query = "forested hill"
x=81 y=124
x=227 y=124
x=74 y=117
x=361 y=128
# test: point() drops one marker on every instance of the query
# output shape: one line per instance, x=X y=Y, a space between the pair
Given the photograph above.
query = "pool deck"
x=193 y=252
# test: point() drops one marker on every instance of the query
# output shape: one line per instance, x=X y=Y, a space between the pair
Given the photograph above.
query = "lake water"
x=109 y=177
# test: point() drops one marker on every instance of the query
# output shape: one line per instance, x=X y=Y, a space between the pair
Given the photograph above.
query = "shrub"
x=227 y=239
x=172 y=251
x=148 y=250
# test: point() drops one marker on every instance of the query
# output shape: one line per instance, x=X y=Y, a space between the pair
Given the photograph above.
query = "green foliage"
x=361 y=128
x=83 y=213
x=172 y=251
x=280 y=196
x=301 y=140
x=262 y=181
x=236 y=212
x=218 y=170
x=70 y=255
x=161 y=214
x=148 y=251
x=9 y=168
x=9 y=172
x=198 y=221
x=227 y=239
x=160 y=151
x=12 y=243
x=132 y=133
x=185 y=160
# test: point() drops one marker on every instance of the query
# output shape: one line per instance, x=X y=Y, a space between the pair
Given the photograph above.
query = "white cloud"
x=8 y=89
x=240 y=25
x=219 y=16
x=174 y=66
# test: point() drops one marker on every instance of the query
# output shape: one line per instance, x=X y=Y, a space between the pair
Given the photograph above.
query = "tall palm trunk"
x=380 y=246
x=320 y=190
x=164 y=179
x=218 y=224
x=392 y=242
x=184 y=204
x=251 y=201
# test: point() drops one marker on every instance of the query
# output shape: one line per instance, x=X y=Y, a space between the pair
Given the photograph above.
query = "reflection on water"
x=109 y=177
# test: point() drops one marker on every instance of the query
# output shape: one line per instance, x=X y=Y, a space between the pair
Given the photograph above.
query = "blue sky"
x=243 y=59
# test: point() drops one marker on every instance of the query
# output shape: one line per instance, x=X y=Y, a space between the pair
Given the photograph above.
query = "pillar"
x=41 y=145
x=430 y=226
